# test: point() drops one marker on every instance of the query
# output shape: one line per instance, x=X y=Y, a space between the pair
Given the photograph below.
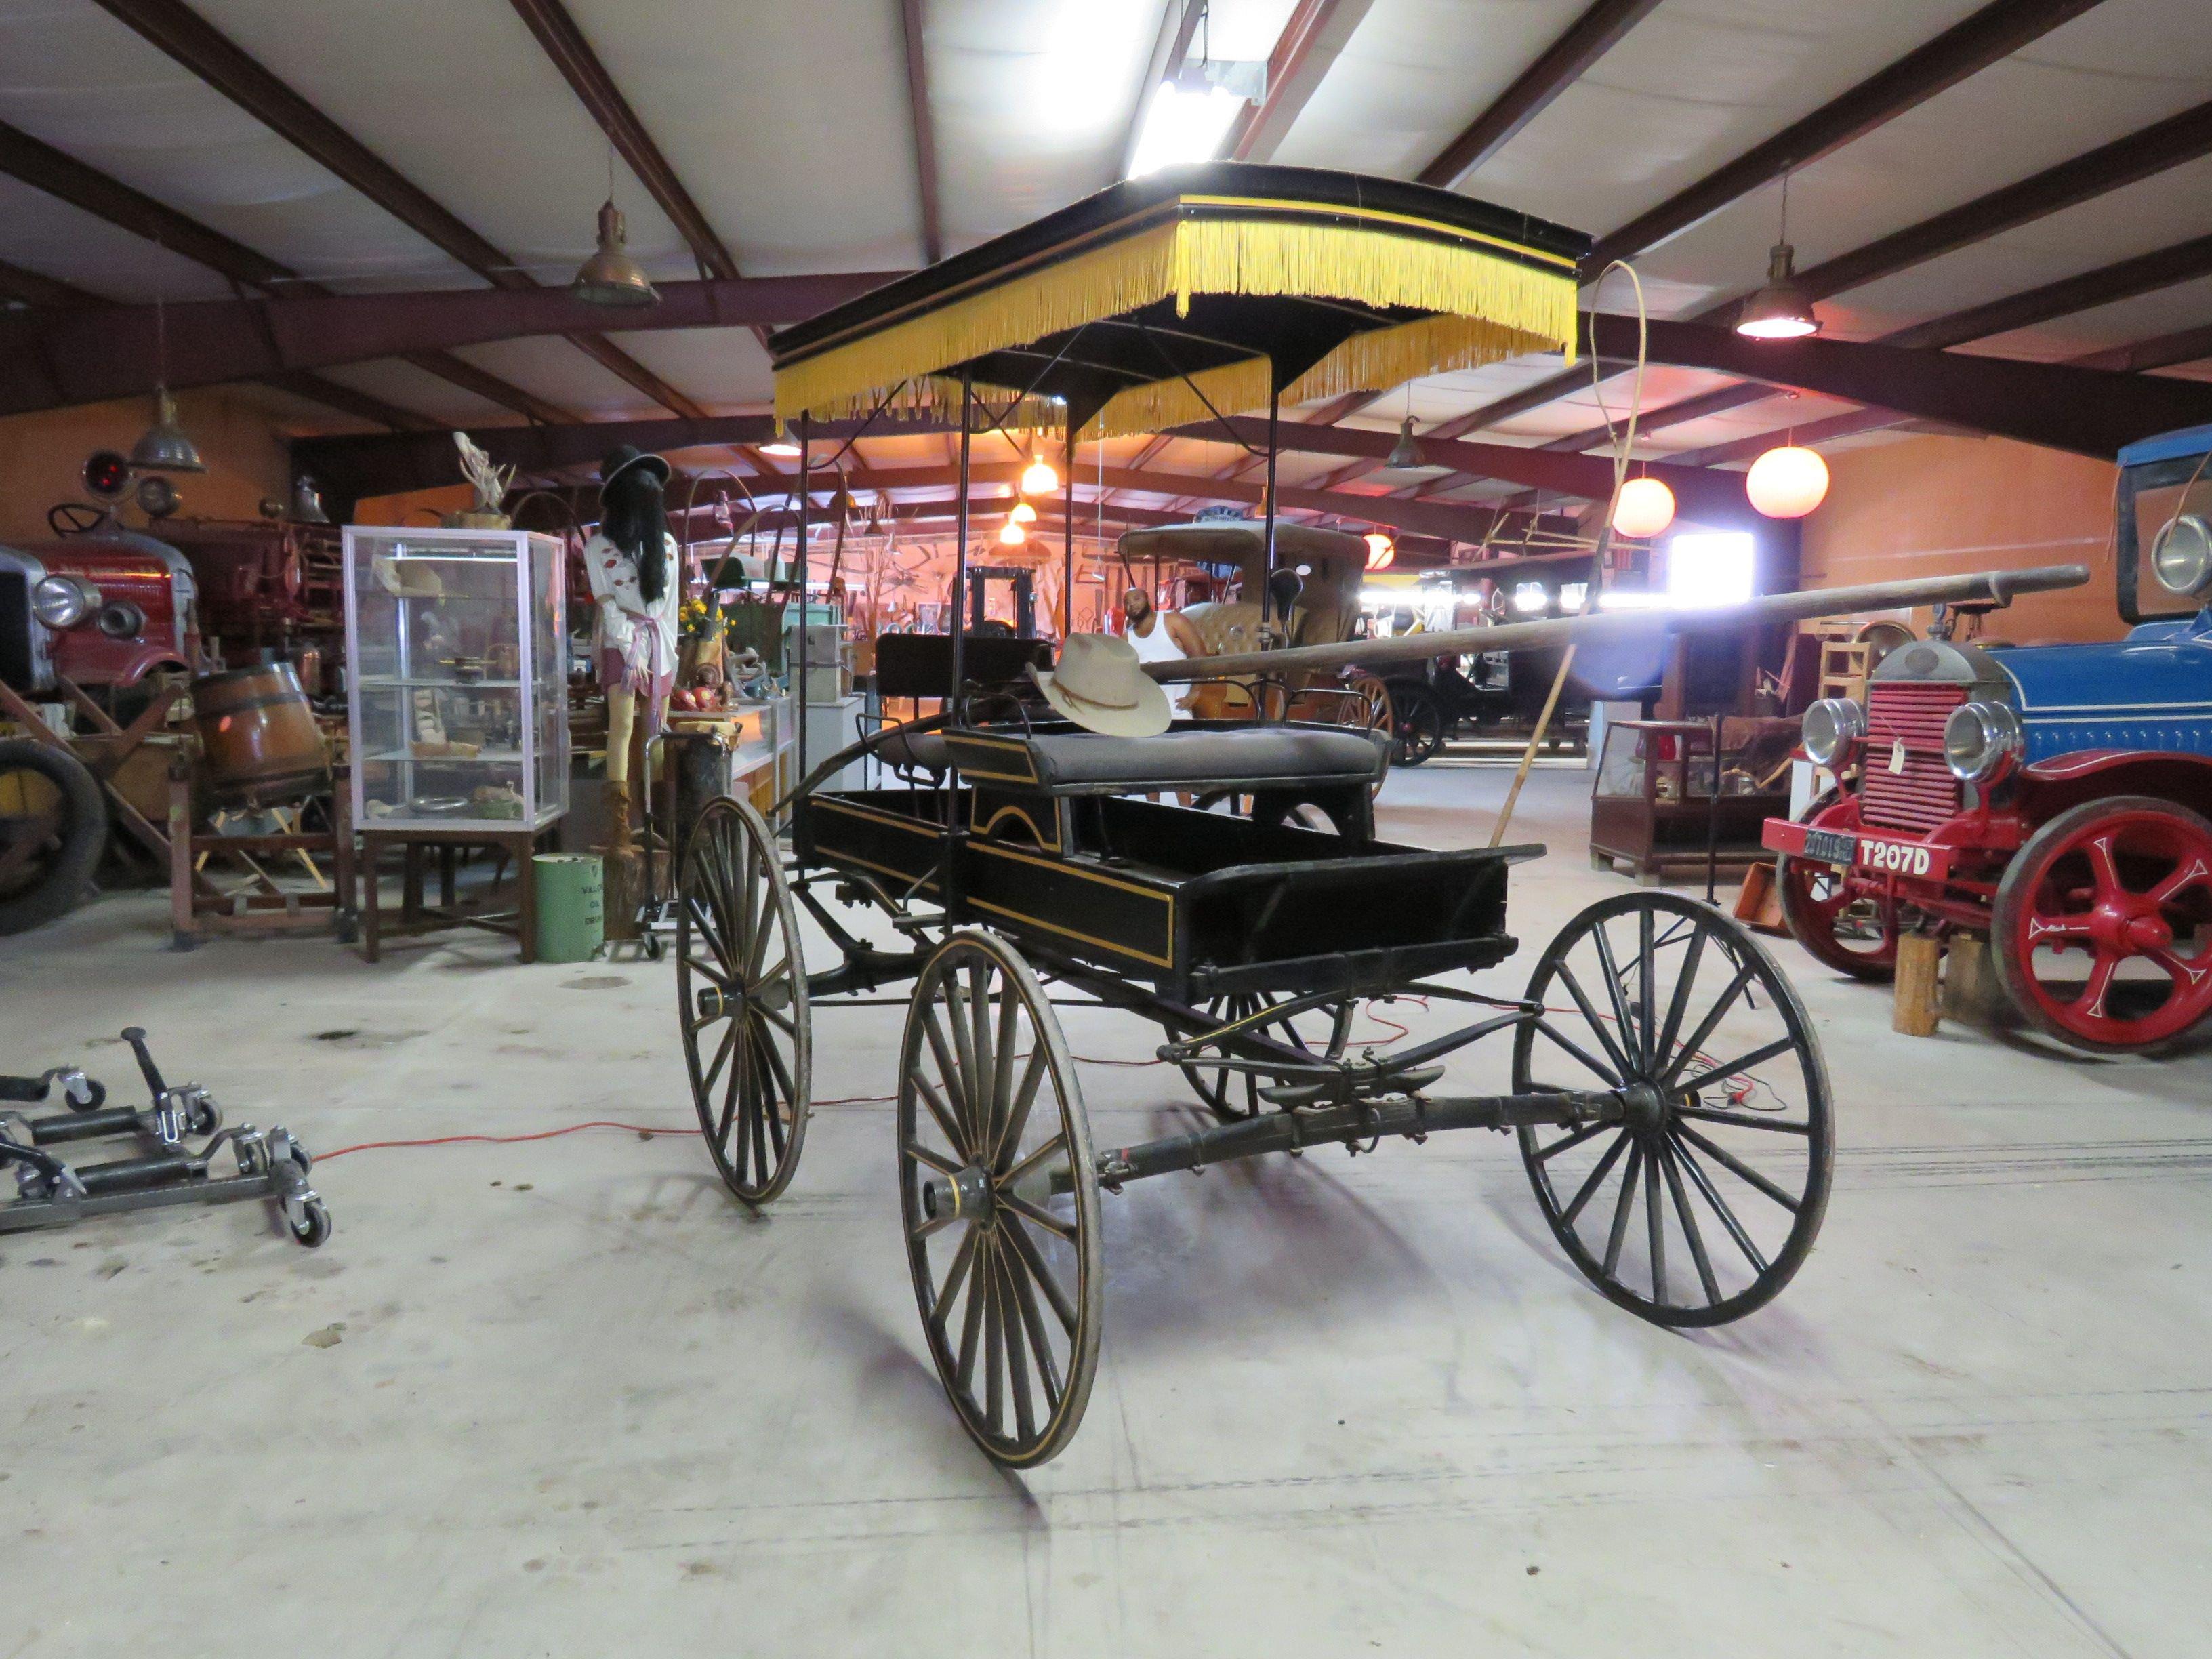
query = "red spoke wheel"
x=1847 y=931
x=2104 y=924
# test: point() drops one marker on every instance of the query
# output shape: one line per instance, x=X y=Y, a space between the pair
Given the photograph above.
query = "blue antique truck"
x=2055 y=800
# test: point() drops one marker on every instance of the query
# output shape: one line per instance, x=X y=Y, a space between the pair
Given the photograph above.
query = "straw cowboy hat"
x=1102 y=687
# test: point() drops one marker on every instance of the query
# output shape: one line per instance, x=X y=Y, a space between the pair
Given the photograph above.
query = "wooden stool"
x=514 y=846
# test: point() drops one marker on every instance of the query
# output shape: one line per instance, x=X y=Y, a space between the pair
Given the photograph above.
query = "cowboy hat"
x=1102 y=687
x=623 y=457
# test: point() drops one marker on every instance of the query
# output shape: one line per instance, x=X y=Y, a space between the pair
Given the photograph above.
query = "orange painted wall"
x=1935 y=506
x=42 y=455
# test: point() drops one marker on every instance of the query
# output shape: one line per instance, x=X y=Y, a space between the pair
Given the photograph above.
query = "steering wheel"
x=67 y=519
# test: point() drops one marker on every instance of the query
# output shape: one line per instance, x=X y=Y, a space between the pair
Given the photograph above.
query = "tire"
x=1823 y=923
x=1642 y=994
x=50 y=800
x=315 y=1228
x=1417 y=723
x=2058 y=886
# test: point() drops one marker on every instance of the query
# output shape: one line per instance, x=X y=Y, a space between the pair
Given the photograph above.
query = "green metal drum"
x=572 y=910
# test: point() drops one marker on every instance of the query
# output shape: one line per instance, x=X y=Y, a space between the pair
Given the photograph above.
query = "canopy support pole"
x=1068 y=513
x=798 y=673
x=1268 y=566
x=960 y=547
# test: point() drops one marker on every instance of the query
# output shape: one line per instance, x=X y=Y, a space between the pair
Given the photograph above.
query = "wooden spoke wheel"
x=741 y=1001
x=1322 y=1032
x=1000 y=1200
x=1704 y=1203
x=2103 y=926
x=1853 y=934
x=1417 y=729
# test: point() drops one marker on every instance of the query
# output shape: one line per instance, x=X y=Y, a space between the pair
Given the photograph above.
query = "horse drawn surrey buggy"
x=1667 y=1092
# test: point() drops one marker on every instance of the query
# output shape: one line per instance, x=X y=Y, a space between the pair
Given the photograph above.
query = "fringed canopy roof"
x=1184 y=294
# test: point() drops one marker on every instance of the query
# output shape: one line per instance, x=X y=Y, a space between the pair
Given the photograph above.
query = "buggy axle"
x=1413 y=1116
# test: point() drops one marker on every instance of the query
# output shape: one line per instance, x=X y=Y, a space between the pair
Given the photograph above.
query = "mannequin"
x=633 y=564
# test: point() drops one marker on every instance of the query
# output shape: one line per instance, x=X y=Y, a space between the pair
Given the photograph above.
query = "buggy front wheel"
x=1701 y=1202
x=999 y=1198
x=741 y=1001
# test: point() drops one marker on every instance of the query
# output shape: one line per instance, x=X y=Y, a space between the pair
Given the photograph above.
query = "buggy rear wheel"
x=1231 y=1095
x=1417 y=722
x=1703 y=1202
x=741 y=1001
x=1000 y=1200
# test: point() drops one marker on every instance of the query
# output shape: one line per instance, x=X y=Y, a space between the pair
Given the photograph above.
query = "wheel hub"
x=1645 y=1107
x=964 y=1196
x=2123 y=929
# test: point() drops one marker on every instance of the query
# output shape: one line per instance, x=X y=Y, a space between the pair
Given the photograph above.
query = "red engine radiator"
x=1924 y=793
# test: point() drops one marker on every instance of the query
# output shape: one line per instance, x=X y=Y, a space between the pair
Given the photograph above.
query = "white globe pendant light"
x=1645 y=508
x=1787 y=483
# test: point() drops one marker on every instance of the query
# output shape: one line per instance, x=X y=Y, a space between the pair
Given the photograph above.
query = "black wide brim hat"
x=623 y=457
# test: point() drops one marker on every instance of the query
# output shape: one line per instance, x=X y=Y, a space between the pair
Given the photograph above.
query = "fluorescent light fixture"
x=1573 y=596
x=783 y=448
x=1710 y=570
x=1183 y=124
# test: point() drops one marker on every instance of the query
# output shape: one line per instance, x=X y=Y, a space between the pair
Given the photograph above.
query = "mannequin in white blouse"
x=638 y=595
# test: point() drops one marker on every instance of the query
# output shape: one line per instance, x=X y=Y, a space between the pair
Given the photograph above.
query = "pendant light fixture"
x=1382 y=551
x=1646 y=508
x=610 y=276
x=1405 y=454
x=1781 y=310
x=1023 y=513
x=1787 y=481
x=1038 y=478
x=163 y=446
x=1011 y=534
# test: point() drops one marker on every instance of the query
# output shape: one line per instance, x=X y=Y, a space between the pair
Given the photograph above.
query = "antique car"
x=103 y=610
x=2056 y=799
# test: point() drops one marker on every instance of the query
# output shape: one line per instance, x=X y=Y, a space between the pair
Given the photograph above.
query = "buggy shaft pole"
x=1276 y=1132
x=2000 y=586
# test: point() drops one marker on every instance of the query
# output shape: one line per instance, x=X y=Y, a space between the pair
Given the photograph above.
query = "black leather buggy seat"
x=1062 y=760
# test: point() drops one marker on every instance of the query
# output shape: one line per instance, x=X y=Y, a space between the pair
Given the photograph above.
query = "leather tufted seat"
x=1243 y=756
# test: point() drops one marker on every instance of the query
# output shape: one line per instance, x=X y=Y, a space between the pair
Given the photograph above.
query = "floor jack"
x=50 y=1193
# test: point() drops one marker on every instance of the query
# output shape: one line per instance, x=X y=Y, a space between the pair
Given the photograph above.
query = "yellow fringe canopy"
x=1479 y=296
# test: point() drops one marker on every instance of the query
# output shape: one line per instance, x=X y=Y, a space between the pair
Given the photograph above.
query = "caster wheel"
x=204 y=1118
x=314 y=1229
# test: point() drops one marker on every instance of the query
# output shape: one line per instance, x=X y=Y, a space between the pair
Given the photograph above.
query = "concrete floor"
x=580 y=1402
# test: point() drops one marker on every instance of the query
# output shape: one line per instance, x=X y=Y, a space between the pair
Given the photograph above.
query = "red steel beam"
x=216 y=59
x=925 y=130
x=587 y=77
x=1558 y=67
x=1992 y=33
x=1296 y=66
x=68 y=180
x=215 y=340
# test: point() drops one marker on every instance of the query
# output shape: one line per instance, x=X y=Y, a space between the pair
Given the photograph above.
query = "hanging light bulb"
x=1787 y=483
x=1011 y=534
x=1782 y=310
x=1038 y=478
x=1646 y=508
x=1381 y=551
x=610 y=276
x=1023 y=513
x=1405 y=452
x=782 y=448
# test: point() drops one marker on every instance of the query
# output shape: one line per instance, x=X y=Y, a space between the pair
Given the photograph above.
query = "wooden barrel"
x=258 y=736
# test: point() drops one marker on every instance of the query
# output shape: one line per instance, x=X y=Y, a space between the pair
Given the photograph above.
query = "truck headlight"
x=1981 y=741
x=1833 y=727
x=2182 y=556
x=64 y=601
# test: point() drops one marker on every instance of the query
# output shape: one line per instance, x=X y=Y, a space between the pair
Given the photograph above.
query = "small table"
x=515 y=847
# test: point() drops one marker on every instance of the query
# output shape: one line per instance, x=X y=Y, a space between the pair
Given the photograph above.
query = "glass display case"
x=1653 y=806
x=455 y=652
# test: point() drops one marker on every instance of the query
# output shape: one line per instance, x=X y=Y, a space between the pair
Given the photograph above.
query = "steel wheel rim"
x=1019 y=1276
x=1701 y=1207
x=2092 y=890
x=1215 y=1085
x=748 y=1043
